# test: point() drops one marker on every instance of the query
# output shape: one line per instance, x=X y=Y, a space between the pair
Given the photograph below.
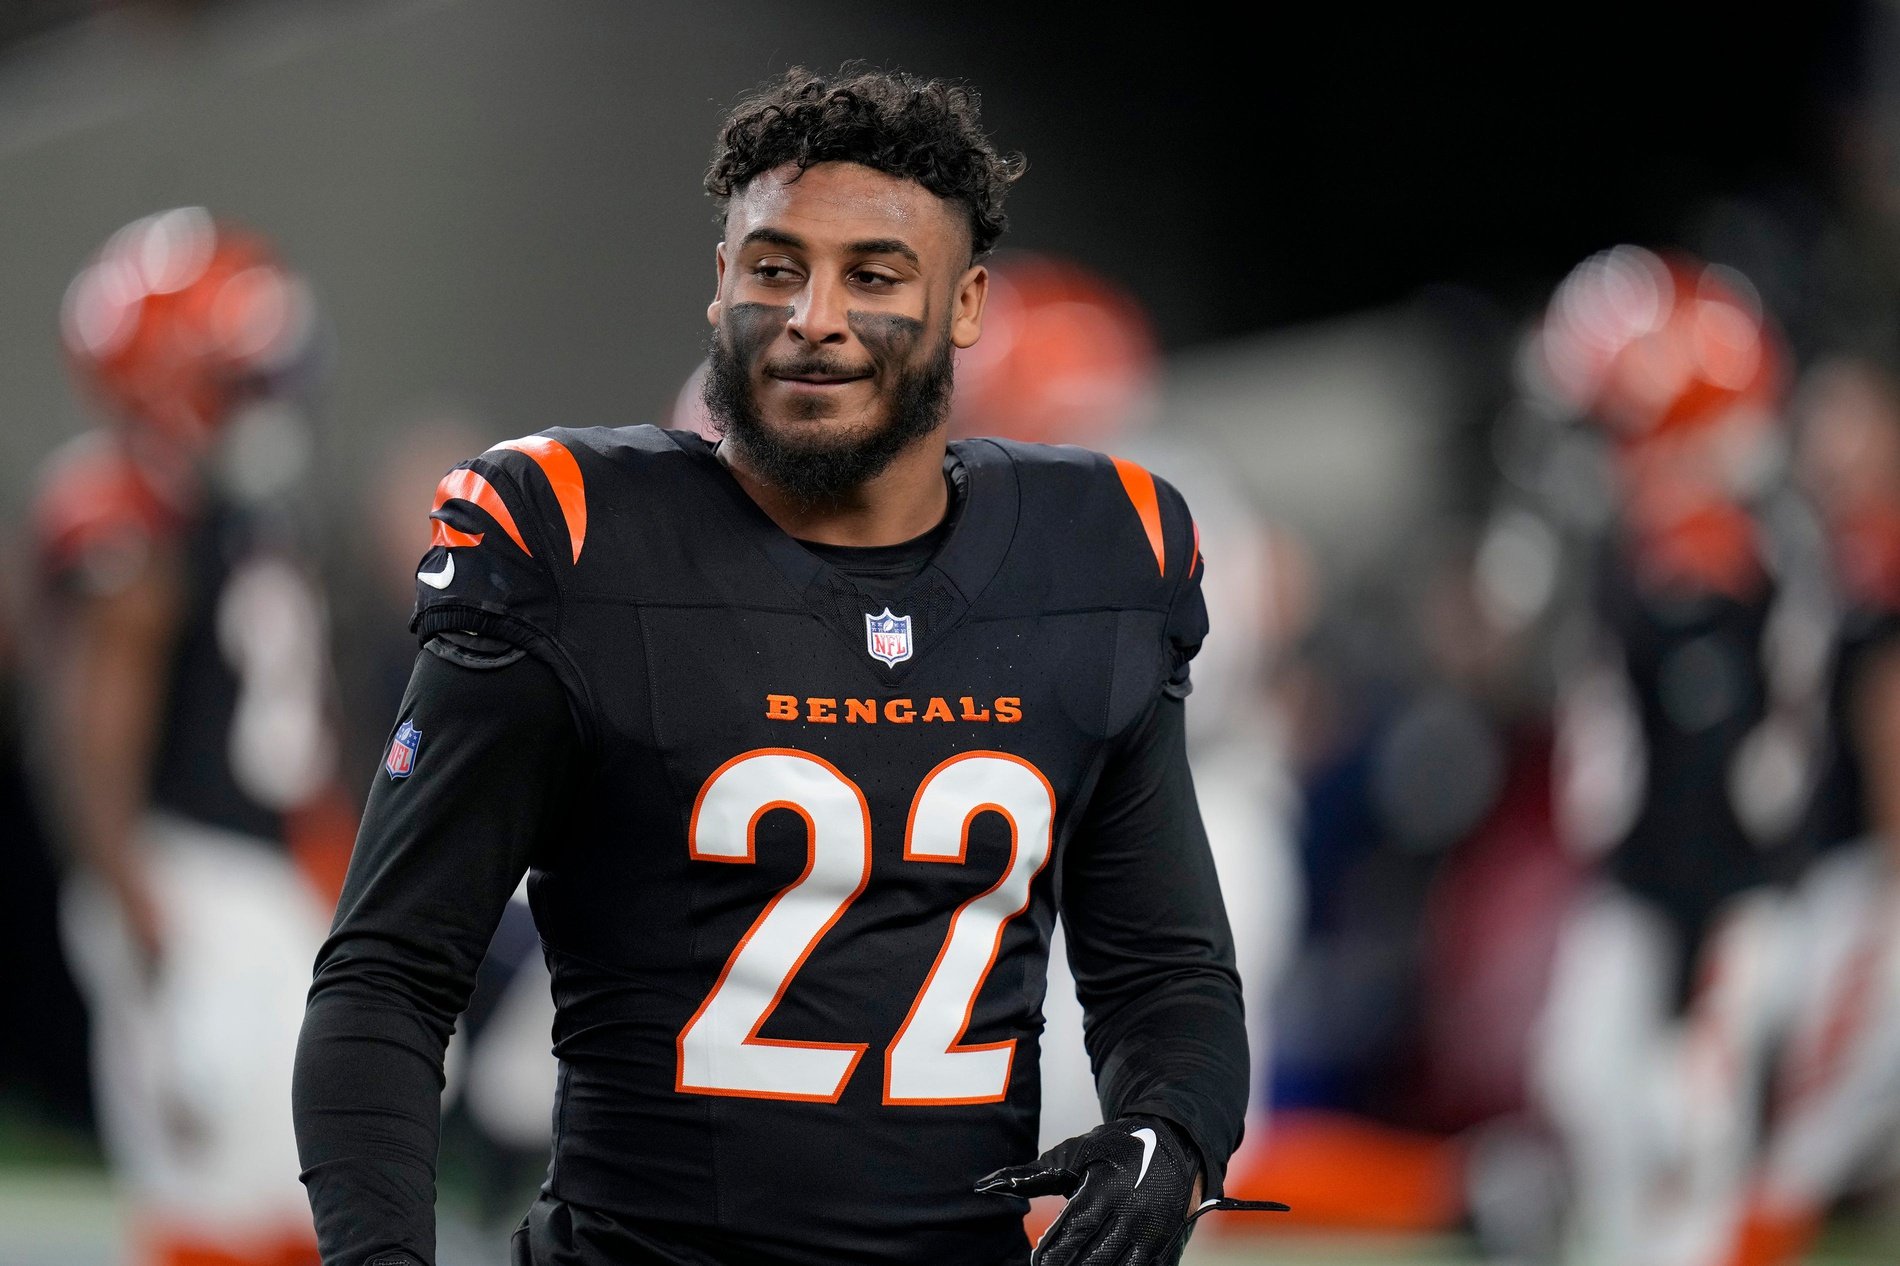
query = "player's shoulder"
x=545 y=490
x=633 y=447
x=1111 y=518
x=91 y=495
x=563 y=454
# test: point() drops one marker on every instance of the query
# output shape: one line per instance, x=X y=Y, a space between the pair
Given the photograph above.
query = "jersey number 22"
x=720 y=1050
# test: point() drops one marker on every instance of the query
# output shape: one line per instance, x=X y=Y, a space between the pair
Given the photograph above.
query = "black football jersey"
x=797 y=912
x=245 y=730
x=1699 y=677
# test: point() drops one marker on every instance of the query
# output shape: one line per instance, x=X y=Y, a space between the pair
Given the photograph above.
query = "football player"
x=804 y=739
x=1837 y=1093
x=186 y=714
x=1688 y=731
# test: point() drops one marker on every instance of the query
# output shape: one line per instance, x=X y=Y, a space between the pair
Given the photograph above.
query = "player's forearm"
x=1151 y=950
x=1181 y=1055
x=366 y=1094
x=108 y=726
x=106 y=699
x=365 y=1102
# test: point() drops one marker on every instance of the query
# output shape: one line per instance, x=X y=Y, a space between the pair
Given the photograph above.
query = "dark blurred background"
x=498 y=200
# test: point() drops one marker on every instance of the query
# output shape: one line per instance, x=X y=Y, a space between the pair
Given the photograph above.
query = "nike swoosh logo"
x=439 y=579
x=1147 y=1137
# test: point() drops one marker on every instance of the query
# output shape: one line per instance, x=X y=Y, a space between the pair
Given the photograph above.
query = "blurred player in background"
x=185 y=717
x=1836 y=1100
x=1067 y=357
x=1685 y=740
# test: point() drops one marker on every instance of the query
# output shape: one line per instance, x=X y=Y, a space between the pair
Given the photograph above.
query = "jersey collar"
x=947 y=587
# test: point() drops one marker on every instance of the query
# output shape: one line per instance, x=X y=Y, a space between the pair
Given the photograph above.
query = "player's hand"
x=1129 y=1184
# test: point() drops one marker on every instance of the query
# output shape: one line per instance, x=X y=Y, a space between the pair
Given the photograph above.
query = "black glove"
x=1128 y=1184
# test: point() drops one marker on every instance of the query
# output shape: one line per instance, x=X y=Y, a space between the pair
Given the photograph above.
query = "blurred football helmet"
x=179 y=318
x=1646 y=344
x=1674 y=359
x=1065 y=356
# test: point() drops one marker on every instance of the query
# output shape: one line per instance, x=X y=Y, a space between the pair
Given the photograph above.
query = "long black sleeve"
x=1150 y=947
x=441 y=849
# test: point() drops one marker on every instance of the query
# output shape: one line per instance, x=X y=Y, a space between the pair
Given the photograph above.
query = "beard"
x=821 y=467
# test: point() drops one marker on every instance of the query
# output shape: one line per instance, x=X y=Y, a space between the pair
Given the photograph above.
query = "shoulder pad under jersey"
x=1119 y=538
x=95 y=517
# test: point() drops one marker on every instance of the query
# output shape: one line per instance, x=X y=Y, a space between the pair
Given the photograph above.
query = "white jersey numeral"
x=271 y=629
x=925 y=1064
x=720 y=1050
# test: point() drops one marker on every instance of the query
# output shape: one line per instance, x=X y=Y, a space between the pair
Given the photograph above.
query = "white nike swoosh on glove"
x=1147 y=1137
x=439 y=579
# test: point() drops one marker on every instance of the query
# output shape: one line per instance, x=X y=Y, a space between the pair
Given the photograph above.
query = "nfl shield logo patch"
x=887 y=637
x=401 y=760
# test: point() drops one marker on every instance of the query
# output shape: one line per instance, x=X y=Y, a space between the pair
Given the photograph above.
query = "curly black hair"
x=923 y=129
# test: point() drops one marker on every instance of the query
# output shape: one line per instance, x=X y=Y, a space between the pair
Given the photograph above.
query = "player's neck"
x=903 y=501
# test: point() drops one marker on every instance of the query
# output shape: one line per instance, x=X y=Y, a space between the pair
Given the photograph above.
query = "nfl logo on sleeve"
x=401 y=760
x=887 y=637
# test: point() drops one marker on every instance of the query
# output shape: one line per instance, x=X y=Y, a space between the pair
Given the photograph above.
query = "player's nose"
x=819 y=314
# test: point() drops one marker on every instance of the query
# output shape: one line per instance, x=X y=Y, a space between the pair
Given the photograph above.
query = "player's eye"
x=771 y=271
x=870 y=279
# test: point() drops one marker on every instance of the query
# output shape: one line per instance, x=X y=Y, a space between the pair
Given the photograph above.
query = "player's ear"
x=719 y=285
x=973 y=289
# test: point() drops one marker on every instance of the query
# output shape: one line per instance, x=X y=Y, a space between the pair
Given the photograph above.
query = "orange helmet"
x=178 y=318
x=1674 y=358
x=1646 y=344
x=1065 y=355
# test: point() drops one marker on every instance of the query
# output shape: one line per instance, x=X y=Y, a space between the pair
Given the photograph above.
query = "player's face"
x=842 y=292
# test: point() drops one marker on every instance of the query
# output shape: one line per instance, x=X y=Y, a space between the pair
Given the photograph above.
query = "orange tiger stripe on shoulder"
x=564 y=476
x=1140 y=487
x=466 y=485
x=443 y=534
